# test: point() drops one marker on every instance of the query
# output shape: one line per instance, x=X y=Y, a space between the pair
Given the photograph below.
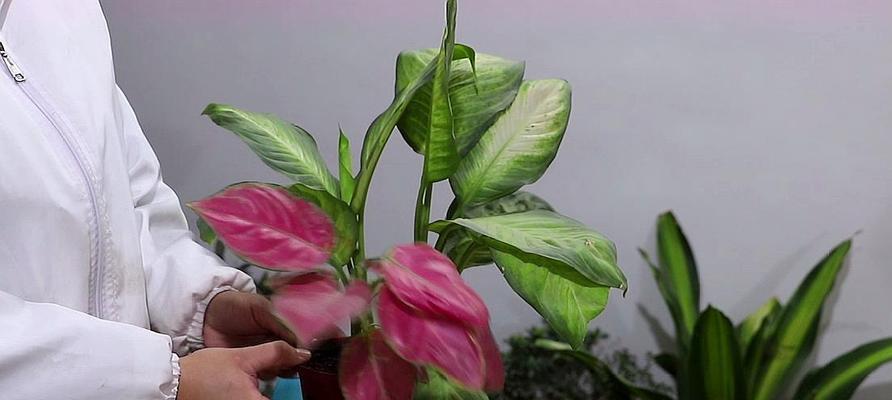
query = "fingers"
x=264 y=316
x=267 y=360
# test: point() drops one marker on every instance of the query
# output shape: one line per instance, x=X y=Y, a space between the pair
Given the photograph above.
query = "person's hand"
x=236 y=319
x=232 y=374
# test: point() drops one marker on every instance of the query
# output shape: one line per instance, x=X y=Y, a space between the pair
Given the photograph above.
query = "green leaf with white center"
x=839 y=379
x=461 y=246
x=549 y=238
x=563 y=297
x=440 y=387
x=283 y=146
x=345 y=222
x=518 y=148
x=345 y=167
x=481 y=86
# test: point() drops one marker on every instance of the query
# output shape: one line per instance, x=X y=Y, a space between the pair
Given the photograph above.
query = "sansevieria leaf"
x=839 y=379
x=715 y=357
x=550 y=238
x=461 y=245
x=563 y=297
x=518 y=148
x=625 y=389
x=796 y=329
x=678 y=276
x=479 y=89
x=282 y=146
x=750 y=326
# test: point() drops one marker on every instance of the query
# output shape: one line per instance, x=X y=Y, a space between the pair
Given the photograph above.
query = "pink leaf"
x=495 y=371
x=370 y=370
x=426 y=280
x=267 y=226
x=442 y=343
x=313 y=305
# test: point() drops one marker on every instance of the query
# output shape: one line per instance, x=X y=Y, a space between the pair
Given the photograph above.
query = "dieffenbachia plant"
x=761 y=357
x=476 y=123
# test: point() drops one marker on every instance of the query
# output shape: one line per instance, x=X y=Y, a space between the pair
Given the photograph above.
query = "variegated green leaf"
x=677 y=276
x=518 y=148
x=440 y=387
x=282 y=146
x=750 y=326
x=839 y=379
x=563 y=297
x=797 y=326
x=476 y=98
x=551 y=237
x=714 y=359
x=345 y=167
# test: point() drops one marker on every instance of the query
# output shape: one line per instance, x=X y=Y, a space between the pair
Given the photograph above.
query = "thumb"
x=268 y=359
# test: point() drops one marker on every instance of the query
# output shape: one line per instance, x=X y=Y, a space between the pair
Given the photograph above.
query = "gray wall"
x=764 y=125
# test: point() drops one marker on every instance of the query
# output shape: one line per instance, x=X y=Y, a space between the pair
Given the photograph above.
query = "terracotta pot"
x=319 y=376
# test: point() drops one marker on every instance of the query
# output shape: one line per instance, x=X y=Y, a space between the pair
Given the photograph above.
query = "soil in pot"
x=319 y=375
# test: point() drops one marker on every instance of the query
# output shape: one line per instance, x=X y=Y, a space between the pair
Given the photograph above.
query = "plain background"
x=764 y=124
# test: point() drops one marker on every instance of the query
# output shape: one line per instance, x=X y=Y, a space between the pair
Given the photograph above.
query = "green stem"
x=342 y=277
x=423 y=208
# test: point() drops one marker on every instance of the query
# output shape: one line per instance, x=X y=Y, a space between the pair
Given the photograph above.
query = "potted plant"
x=761 y=357
x=417 y=327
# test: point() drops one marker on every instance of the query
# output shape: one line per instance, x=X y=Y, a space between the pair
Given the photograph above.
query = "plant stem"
x=341 y=275
x=359 y=271
x=423 y=207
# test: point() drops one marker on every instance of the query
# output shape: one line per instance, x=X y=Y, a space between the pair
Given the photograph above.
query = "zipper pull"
x=14 y=70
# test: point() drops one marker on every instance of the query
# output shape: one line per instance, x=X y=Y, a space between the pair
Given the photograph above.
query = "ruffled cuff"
x=169 y=390
x=195 y=333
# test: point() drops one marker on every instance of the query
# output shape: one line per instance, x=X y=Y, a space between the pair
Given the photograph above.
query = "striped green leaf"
x=563 y=297
x=284 y=147
x=714 y=359
x=550 y=238
x=797 y=326
x=677 y=276
x=345 y=167
x=518 y=148
x=753 y=322
x=839 y=379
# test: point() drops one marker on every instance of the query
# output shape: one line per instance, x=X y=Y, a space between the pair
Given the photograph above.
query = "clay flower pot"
x=319 y=375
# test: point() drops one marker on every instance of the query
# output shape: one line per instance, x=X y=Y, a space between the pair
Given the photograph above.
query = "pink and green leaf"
x=269 y=227
x=313 y=305
x=371 y=370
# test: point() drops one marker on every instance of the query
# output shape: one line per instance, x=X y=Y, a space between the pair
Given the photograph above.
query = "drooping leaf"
x=797 y=326
x=345 y=168
x=750 y=326
x=205 y=232
x=439 y=387
x=715 y=357
x=370 y=370
x=284 y=147
x=313 y=305
x=444 y=344
x=518 y=148
x=479 y=89
x=550 y=238
x=626 y=389
x=566 y=299
x=839 y=379
x=677 y=276
x=269 y=227
x=426 y=281
x=461 y=246
x=345 y=223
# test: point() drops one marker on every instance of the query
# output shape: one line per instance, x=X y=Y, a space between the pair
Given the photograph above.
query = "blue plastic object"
x=287 y=389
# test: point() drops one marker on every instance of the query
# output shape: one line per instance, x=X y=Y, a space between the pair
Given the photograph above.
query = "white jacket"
x=101 y=284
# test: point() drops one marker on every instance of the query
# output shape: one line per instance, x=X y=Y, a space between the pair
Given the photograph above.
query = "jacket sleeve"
x=181 y=275
x=51 y=352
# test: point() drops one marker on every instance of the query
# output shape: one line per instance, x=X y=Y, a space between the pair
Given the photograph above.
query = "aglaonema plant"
x=417 y=326
x=761 y=357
